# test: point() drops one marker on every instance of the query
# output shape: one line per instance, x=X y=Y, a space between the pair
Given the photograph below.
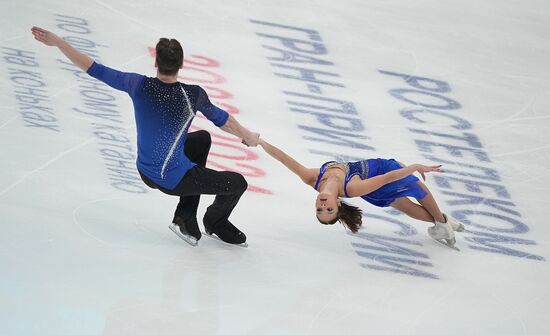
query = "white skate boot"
x=457 y=226
x=443 y=233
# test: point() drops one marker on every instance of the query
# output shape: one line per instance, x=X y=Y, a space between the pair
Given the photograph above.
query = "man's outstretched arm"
x=79 y=59
x=248 y=137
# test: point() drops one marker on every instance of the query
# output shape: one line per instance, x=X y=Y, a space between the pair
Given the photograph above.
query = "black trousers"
x=227 y=186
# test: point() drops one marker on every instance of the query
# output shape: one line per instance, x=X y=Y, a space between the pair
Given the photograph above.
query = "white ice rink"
x=84 y=245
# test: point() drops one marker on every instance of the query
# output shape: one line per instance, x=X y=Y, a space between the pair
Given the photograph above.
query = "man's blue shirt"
x=163 y=114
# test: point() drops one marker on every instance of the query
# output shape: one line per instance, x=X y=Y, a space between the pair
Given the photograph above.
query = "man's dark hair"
x=169 y=56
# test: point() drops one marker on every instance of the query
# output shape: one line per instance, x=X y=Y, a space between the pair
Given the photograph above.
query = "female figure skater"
x=381 y=182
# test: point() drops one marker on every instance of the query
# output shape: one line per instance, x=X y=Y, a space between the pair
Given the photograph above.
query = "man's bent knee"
x=203 y=136
x=240 y=182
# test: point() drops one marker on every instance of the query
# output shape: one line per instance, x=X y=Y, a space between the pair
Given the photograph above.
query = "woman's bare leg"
x=427 y=211
x=413 y=210
x=429 y=204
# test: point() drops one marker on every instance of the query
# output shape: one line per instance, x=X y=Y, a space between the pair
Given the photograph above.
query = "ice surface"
x=84 y=246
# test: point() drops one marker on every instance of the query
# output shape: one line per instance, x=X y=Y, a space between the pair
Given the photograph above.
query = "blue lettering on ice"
x=393 y=254
x=297 y=56
x=404 y=228
x=459 y=123
x=32 y=98
x=404 y=95
x=472 y=188
x=100 y=104
x=488 y=242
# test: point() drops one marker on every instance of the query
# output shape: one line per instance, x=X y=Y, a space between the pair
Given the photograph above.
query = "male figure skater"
x=170 y=159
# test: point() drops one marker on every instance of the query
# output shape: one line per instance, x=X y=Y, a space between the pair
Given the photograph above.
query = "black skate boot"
x=227 y=233
x=187 y=230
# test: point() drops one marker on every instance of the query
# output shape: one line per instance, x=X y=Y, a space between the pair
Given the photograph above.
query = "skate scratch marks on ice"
x=9 y=121
x=512 y=311
x=130 y=18
x=319 y=313
x=59 y=156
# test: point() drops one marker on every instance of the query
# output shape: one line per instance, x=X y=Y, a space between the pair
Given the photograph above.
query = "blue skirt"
x=384 y=196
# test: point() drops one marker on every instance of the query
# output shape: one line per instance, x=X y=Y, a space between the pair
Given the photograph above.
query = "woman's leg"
x=413 y=210
x=429 y=204
x=426 y=211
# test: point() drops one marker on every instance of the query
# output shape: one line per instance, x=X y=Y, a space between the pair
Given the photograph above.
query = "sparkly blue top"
x=385 y=195
x=163 y=114
x=360 y=168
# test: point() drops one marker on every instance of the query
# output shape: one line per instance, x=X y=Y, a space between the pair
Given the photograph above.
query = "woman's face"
x=326 y=207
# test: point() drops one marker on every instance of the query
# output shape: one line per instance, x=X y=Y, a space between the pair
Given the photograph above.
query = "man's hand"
x=78 y=58
x=251 y=140
x=45 y=36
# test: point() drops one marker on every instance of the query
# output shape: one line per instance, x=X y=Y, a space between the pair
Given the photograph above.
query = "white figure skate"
x=444 y=234
x=457 y=226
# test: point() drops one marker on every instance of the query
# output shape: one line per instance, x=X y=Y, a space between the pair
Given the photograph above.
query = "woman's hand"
x=422 y=169
x=252 y=140
x=45 y=36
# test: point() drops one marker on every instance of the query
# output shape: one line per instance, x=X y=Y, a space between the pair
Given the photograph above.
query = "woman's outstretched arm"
x=308 y=176
x=50 y=39
x=361 y=187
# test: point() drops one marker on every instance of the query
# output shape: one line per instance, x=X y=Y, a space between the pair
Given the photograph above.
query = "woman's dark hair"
x=169 y=56
x=350 y=216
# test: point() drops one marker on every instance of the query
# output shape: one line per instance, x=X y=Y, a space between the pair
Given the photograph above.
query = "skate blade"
x=447 y=244
x=189 y=239
x=212 y=236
